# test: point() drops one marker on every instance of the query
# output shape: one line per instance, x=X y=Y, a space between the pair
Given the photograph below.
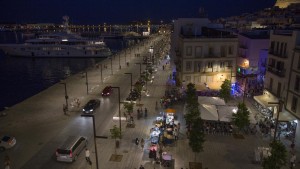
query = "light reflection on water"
x=21 y=78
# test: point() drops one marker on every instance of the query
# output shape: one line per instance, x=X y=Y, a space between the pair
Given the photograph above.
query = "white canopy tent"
x=208 y=112
x=210 y=100
x=225 y=112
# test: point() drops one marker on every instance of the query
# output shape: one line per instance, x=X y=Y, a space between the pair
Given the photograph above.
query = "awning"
x=265 y=99
x=286 y=116
x=209 y=112
x=170 y=110
x=210 y=100
x=225 y=112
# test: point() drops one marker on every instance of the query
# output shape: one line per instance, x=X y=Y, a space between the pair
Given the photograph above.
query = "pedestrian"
x=178 y=126
x=163 y=67
x=175 y=134
x=87 y=156
x=131 y=119
x=64 y=109
x=7 y=162
x=141 y=167
x=137 y=141
x=142 y=143
x=146 y=112
x=293 y=161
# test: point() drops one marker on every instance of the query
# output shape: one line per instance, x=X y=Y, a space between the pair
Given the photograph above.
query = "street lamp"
x=101 y=73
x=111 y=66
x=94 y=133
x=140 y=67
x=119 y=96
x=130 y=80
x=119 y=61
x=66 y=93
x=87 y=83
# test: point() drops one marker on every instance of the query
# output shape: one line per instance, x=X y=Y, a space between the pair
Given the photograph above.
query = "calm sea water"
x=21 y=78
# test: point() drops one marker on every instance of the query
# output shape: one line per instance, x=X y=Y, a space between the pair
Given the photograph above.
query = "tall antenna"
x=66 y=23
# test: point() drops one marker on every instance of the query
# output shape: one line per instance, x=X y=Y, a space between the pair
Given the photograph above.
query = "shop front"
x=265 y=104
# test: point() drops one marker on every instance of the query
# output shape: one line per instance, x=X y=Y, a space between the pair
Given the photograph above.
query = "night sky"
x=121 y=11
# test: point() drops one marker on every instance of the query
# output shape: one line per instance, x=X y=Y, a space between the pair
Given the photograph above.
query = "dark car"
x=107 y=91
x=91 y=106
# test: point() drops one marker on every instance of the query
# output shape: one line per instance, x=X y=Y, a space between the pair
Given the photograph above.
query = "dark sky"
x=121 y=11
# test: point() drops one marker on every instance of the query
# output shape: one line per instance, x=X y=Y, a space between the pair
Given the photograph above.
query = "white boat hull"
x=23 y=50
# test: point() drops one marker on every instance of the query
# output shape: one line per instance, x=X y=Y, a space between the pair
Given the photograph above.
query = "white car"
x=7 y=142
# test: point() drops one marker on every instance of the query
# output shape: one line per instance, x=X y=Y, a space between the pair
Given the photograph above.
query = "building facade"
x=283 y=76
x=252 y=59
x=205 y=55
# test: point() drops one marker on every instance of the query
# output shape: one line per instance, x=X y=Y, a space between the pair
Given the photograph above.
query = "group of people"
x=140 y=113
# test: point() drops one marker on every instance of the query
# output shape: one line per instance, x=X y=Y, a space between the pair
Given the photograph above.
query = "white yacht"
x=62 y=44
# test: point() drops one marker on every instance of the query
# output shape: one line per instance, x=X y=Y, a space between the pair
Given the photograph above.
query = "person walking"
x=6 y=162
x=146 y=112
x=142 y=143
x=293 y=161
x=87 y=156
x=137 y=141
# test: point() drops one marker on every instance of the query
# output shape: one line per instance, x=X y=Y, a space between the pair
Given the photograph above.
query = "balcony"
x=275 y=71
x=242 y=56
x=277 y=54
x=243 y=47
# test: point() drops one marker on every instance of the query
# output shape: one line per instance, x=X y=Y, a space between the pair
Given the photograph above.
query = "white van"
x=71 y=148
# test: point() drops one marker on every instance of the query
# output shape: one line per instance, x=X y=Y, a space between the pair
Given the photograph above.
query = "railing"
x=275 y=71
x=272 y=52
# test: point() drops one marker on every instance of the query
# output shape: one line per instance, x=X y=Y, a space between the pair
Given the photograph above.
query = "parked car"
x=91 y=106
x=71 y=148
x=7 y=142
x=107 y=91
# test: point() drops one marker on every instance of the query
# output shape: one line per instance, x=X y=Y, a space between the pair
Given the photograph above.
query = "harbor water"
x=21 y=78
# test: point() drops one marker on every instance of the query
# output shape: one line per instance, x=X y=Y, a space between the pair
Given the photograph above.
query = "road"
x=40 y=126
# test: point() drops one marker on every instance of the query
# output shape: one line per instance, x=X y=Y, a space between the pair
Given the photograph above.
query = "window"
x=188 y=65
x=299 y=61
x=271 y=84
x=198 y=51
x=188 y=78
x=222 y=64
x=294 y=104
x=210 y=51
x=223 y=51
x=297 y=84
x=230 y=50
x=272 y=47
x=197 y=66
x=209 y=64
x=188 y=51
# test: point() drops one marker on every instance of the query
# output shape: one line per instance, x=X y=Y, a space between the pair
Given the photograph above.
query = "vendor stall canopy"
x=170 y=110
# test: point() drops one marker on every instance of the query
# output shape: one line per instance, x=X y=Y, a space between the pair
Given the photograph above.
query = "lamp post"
x=87 y=83
x=101 y=73
x=140 y=67
x=119 y=61
x=119 y=96
x=280 y=105
x=130 y=80
x=111 y=67
x=95 y=136
x=66 y=93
